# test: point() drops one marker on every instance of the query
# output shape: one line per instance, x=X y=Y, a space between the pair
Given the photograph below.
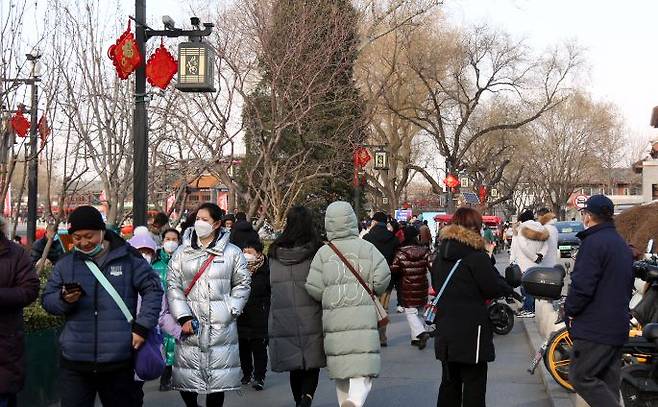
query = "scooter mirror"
x=650 y=246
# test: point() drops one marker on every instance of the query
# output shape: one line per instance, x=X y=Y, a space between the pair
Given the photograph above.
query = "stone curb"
x=556 y=394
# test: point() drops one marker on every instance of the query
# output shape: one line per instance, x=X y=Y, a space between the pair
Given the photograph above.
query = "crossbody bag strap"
x=445 y=283
x=110 y=289
x=351 y=268
x=199 y=273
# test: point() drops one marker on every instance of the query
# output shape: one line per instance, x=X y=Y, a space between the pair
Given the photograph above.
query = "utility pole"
x=33 y=165
x=140 y=123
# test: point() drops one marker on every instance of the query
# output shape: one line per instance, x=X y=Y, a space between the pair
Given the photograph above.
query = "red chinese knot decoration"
x=161 y=67
x=361 y=157
x=483 y=192
x=125 y=54
x=451 y=181
x=44 y=130
x=19 y=123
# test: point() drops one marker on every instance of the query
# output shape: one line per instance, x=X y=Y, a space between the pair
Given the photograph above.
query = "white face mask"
x=203 y=229
x=147 y=257
x=170 y=246
x=250 y=257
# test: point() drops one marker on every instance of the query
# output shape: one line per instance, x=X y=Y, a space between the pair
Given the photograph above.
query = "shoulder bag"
x=382 y=316
x=149 y=363
x=430 y=312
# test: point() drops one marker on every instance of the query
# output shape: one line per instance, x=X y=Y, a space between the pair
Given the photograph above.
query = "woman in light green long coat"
x=349 y=319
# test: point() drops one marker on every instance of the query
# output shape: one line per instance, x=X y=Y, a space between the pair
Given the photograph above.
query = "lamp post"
x=140 y=119
x=33 y=169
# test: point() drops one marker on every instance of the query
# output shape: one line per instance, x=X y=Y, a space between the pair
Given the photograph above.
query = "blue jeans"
x=528 y=301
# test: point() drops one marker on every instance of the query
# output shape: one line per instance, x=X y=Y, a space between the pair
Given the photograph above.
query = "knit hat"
x=143 y=242
x=85 y=218
x=380 y=217
x=526 y=216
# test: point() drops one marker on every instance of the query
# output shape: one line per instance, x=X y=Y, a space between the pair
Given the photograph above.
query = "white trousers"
x=416 y=322
x=355 y=389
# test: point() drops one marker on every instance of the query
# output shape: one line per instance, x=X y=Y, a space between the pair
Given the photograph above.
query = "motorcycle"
x=501 y=314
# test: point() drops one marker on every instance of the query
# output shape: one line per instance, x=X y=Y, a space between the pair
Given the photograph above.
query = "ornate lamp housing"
x=196 y=67
x=381 y=160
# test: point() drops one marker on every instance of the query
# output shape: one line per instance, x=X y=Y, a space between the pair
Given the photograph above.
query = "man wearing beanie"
x=99 y=340
x=387 y=244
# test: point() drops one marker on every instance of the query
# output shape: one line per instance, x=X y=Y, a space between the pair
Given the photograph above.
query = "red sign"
x=19 y=123
x=161 y=67
x=125 y=54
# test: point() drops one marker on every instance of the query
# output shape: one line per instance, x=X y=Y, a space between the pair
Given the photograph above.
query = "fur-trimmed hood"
x=534 y=230
x=548 y=219
x=463 y=235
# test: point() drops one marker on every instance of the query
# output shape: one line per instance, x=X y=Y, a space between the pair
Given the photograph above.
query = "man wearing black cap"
x=597 y=305
x=103 y=328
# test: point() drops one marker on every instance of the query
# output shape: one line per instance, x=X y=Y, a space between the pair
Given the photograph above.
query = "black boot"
x=422 y=340
x=165 y=379
x=306 y=401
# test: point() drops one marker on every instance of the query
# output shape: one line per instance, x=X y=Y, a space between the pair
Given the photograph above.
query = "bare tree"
x=467 y=73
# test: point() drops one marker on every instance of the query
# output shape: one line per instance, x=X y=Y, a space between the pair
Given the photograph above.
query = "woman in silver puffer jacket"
x=207 y=358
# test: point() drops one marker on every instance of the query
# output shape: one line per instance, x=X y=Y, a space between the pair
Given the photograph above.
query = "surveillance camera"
x=169 y=22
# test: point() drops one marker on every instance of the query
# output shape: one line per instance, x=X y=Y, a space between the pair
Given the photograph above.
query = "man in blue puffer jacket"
x=597 y=305
x=97 y=341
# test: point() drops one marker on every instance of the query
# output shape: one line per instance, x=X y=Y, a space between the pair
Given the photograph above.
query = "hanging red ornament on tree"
x=19 y=123
x=483 y=192
x=451 y=181
x=361 y=157
x=44 y=130
x=161 y=67
x=125 y=54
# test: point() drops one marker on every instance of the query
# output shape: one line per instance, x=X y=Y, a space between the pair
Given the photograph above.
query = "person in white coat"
x=529 y=247
x=548 y=220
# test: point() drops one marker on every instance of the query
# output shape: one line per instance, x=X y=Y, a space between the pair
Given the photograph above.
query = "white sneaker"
x=399 y=309
x=347 y=403
x=525 y=314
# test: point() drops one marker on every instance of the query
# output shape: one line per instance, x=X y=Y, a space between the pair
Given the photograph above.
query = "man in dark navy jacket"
x=597 y=305
x=98 y=342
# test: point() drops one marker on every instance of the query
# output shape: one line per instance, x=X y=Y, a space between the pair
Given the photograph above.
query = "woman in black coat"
x=464 y=342
x=252 y=323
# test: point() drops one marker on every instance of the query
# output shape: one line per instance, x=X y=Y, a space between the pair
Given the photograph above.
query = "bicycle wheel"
x=557 y=358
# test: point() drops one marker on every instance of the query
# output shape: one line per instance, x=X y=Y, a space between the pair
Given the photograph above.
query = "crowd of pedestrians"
x=226 y=307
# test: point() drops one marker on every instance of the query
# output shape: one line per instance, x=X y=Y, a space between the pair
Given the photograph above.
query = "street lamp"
x=32 y=180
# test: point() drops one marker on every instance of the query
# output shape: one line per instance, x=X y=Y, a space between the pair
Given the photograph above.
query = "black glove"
x=540 y=257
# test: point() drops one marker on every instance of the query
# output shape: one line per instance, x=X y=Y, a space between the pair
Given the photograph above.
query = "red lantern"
x=483 y=193
x=125 y=54
x=361 y=157
x=19 y=123
x=44 y=130
x=451 y=181
x=161 y=67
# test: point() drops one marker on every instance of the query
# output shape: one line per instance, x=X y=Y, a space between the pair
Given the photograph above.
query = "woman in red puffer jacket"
x=412 y=264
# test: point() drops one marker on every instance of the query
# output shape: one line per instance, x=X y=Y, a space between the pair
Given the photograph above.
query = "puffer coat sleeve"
x=178 y=306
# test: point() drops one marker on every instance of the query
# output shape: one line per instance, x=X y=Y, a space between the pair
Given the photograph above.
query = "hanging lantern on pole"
x=196 y=71
x=19 y=123
x=361 y=157
x=381 y=159
x=451 y=181
x=161 y=67
x=124 y=54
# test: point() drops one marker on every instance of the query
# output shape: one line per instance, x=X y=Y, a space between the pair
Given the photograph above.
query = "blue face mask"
x=93 y=252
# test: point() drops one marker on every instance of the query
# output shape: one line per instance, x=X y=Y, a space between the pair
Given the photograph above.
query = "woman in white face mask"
x=170 y=242
x=208 y=285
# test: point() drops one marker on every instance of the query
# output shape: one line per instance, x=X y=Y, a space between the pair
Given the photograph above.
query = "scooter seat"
x=650 y=332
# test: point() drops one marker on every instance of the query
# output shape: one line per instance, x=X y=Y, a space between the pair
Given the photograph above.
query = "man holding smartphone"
x=19 y=287
x=98 y=340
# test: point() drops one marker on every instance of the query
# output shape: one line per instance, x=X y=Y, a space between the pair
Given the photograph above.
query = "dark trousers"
x=304 y=382
x=8 y=400
x=253 y=357
x=463 y=385
x=595 y=372
x=79 y=389
x=212 y=399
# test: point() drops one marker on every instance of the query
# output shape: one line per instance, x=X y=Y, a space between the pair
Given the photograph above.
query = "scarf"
x=256 y=264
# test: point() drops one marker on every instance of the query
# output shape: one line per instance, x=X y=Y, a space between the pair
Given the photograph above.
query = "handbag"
x=382 y=316
x=513 y=275
x=149 y=363
x=430 y=312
